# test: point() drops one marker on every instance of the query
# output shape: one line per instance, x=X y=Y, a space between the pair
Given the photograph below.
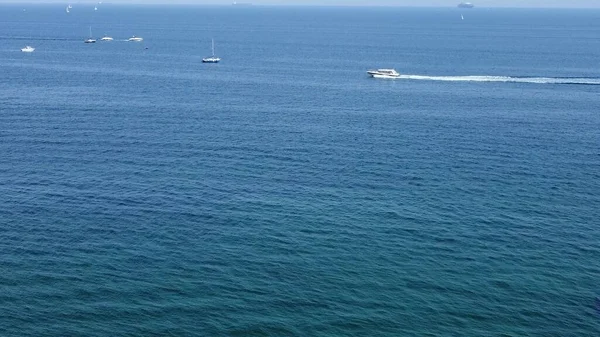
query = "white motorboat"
x=135 y=39
x=106 y=38
x=383 y=73
x=213 y=58
x=28 y=49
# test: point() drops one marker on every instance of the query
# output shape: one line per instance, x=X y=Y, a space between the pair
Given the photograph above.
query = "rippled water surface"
x=284 y=193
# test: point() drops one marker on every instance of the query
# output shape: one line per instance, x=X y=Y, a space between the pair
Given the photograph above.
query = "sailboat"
x=28 y=48
x=90 y=39
x=462 y=17
x=67 y=9
x=213 y=58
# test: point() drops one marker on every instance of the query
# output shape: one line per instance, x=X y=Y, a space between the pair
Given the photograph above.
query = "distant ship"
x=465 y=5
x=135 y=39
x=241 y=4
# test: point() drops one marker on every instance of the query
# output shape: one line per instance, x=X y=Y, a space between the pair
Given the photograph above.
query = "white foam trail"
x=506 y=79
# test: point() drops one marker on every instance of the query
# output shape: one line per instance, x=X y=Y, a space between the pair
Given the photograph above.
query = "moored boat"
x=213 y=58
x=90 y=39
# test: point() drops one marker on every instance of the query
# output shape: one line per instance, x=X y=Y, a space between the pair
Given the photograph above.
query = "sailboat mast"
x=213 y=47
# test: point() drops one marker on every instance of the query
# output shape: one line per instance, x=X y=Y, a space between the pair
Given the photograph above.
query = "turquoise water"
x=284 y=193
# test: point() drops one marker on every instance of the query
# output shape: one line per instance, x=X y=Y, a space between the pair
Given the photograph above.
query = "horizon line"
x=250 y=5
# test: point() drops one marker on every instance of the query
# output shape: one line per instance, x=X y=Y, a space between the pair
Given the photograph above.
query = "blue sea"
x=283 y=192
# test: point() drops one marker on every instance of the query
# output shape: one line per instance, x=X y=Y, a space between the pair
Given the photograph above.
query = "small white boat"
x=465 y=5
x=383 y=73
x=213 y=58
x=90 y=39
x=28 y=49
x=135 y=39
x=106 y=38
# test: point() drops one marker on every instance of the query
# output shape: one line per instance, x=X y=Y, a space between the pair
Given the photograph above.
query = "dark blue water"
x=284 y=193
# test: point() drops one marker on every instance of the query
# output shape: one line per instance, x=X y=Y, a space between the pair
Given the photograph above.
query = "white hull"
x=384 y=76
x=28 y=49
x=211 y=60
x=106 y=38
x=383 y=73
x=135 y=39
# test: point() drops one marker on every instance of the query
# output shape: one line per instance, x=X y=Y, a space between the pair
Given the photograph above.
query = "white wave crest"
x=505 y=79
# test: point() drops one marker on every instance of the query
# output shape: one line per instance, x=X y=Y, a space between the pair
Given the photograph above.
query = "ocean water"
x=282 y=192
